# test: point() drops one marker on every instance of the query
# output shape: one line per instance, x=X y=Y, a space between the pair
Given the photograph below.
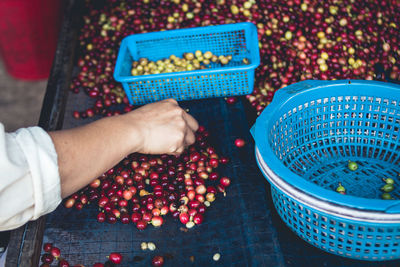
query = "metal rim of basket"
x=321 y=205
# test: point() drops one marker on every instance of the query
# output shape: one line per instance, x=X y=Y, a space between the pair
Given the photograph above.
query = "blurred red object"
x=28 y=36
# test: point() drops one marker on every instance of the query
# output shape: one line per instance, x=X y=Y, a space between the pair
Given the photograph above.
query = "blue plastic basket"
x=236 y=78
x=304 y=140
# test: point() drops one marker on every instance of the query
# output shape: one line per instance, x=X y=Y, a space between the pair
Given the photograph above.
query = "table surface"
x=237 y=226
x=243 y=226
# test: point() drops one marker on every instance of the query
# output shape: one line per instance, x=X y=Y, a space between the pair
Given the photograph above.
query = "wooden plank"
x=25 y=243
x=52 y=113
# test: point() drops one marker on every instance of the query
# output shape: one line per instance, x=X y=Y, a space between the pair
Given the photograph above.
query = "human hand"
x=162 y=127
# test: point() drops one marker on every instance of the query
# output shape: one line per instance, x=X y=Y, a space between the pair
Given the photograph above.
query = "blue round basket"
x=304 y=141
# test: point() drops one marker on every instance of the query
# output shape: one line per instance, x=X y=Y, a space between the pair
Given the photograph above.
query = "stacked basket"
x=304 y=140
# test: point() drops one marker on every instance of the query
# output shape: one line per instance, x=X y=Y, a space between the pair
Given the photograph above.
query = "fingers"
x=168 y=128
x=189 y=138
x=170 y=100
x=191 y=122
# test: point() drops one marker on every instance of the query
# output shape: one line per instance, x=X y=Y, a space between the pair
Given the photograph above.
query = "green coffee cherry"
x=388 y=180
x=352 y=165
x=386 y=196
x=340 y=189
x=387 y=188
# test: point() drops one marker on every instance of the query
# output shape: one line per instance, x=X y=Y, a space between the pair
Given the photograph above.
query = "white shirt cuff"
x=41 y=157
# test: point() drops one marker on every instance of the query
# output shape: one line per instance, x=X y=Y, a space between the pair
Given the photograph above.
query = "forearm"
x=86 y=152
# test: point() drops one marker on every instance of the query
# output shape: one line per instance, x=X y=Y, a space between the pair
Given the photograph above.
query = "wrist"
x=134 y=136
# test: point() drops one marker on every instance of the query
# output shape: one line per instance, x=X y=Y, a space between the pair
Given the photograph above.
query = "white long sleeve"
x=29 y=177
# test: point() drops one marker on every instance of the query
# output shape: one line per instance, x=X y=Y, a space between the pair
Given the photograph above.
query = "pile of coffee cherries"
x=142 y=189
x=190 y=61
x=298 y=40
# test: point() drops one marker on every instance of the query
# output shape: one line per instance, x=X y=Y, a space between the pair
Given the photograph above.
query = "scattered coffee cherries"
x=386 y=196
x=231 y=100
x=340 y=189
x=53 y=253
x=387 y=188
x=157 y=261
x=115 y=257
x=352 y=165
x=388 y=181
x=216 y=256
x=239 y=142
x=144 y=189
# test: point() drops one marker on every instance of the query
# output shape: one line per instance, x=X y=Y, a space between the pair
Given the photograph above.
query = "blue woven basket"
x=304 y=140
x=236 y=78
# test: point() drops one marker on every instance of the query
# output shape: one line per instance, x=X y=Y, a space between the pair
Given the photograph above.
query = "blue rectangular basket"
x=236 y=78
